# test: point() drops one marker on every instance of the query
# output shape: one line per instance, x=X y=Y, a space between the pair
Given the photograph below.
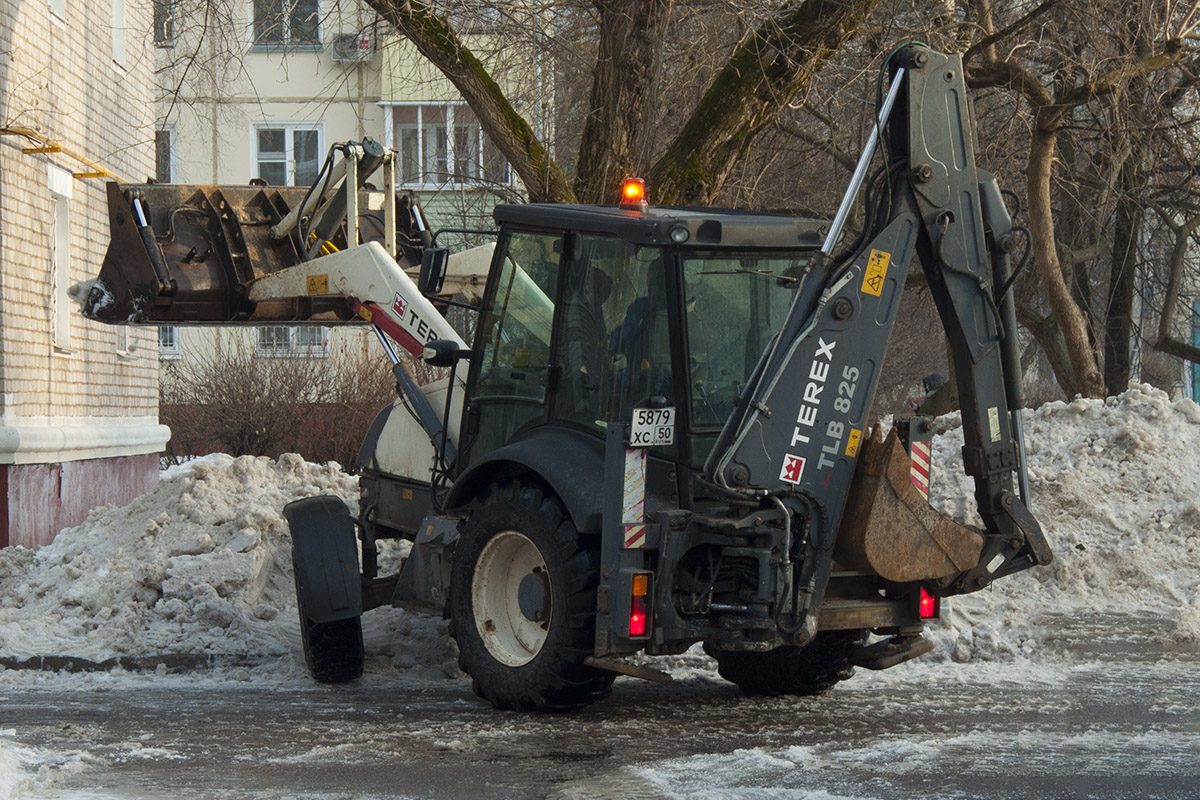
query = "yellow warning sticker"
x=407 y=494
x=852 y=444
x=876 y=271
x=318 y=284
x=994 y=423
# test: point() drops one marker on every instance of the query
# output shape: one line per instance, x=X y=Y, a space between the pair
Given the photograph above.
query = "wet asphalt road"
x=1107 y=715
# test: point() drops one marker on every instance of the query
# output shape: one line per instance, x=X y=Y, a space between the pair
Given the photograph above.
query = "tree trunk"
x=1085 y=372
x=1046 y=334
x=1118 y=325
x=767 y=71
x=614 y=135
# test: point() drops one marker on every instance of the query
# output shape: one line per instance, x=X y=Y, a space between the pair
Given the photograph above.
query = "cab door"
x=511 y=373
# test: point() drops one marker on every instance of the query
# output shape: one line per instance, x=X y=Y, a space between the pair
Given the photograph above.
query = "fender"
x=325 y=558
x=569 y=461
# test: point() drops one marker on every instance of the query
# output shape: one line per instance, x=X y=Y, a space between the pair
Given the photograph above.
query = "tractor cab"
x=594 y=311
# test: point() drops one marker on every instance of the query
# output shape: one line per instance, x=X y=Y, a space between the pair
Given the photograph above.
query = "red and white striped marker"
x=919 y=454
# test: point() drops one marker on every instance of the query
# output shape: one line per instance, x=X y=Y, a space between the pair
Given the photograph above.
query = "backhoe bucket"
x=889 y=527
x=183 y=254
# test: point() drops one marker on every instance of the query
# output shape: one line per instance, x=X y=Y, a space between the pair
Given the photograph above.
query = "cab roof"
x=707 y=227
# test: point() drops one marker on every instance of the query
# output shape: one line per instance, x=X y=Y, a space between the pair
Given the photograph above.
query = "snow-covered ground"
x=199 y=569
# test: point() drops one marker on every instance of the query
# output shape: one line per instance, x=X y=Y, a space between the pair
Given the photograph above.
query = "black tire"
x=792 y=670
x=516 y=661
x=334 y=650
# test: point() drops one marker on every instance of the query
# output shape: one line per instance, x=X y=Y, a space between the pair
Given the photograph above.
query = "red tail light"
x=637 y=604
x=637 y=617
x=929 y=605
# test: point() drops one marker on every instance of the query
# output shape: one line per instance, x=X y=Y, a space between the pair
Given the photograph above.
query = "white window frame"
x=393 y=133
x=173 y=348
x=172 y=152
x=289 y=158
x=287 y=43
x=123 y=346
x=60 y=183
x=119 y=33
x=59 y=9
x=290 y=348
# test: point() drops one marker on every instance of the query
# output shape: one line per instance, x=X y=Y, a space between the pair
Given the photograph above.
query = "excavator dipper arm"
x=800 y=425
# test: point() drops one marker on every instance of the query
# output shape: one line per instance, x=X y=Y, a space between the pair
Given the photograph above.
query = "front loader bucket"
x=890 y=529
x=184 y=254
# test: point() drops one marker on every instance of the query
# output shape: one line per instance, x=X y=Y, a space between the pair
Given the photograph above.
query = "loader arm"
x=222 y=255
x=797 y=430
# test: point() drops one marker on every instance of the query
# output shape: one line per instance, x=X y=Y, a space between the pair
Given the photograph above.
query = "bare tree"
x=1062 y=60
x=764 y=71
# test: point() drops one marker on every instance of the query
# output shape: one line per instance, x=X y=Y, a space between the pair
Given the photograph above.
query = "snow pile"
x=200 y=567
x=34 y=772
x=1116 y=487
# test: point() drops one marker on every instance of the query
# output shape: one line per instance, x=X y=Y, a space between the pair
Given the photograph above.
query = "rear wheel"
x=792 y=670
x=523 y=609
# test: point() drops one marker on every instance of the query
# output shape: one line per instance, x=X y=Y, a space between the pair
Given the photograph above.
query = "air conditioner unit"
x=351 y=47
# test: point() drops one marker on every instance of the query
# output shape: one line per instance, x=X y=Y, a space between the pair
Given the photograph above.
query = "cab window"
x=615 y=346
x=734 y=305
x=519 y=319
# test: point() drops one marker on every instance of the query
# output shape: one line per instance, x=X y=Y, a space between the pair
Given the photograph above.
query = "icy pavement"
x=1117 y=715
x=1074 y=680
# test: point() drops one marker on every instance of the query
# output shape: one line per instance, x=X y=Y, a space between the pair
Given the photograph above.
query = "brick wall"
x=62 y=77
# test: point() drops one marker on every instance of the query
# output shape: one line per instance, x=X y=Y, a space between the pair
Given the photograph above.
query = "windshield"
x=734 y=305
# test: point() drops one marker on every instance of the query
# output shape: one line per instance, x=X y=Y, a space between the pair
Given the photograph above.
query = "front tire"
x=523 y=609
x=333 y=651
x=788 y=670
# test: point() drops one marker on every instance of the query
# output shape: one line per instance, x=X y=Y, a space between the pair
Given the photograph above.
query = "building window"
x=59 y=8
x=292 y=341
x=59 y=181
x=287 y=155
x=283 y=23
x=445 y=144
x=122 y=336
x=164 y=155
x=168 y=342
x=118 y=32
x=164 y=23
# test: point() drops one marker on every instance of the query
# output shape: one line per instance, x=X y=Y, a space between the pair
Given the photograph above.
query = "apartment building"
x=78 y=400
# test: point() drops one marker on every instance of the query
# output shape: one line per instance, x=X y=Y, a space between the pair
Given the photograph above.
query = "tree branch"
x=1118 y=77
x=1174 y=347
x=765 y=72
x=508 y=130
x=840 y=156
x=992 y=39
x=1008 y=75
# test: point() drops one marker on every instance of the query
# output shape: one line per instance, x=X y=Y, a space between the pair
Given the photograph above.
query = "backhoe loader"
x=659 y=435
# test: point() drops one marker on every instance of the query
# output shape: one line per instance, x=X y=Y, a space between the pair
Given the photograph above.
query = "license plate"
x=652 y=427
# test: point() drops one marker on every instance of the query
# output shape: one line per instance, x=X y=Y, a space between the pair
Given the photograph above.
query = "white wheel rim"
x=507 y=559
